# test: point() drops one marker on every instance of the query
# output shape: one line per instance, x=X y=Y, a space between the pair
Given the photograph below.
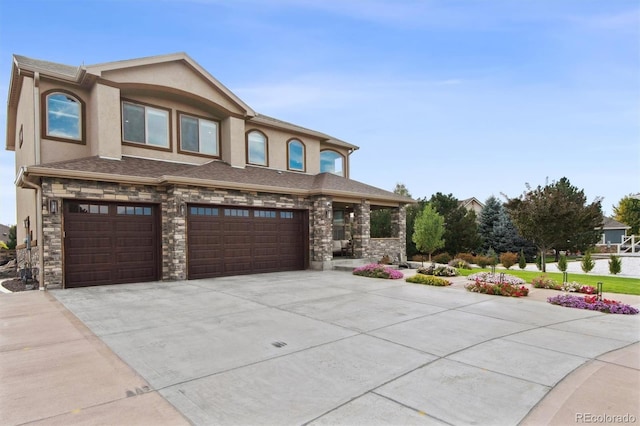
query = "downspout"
x=38 y=188
x=39 y=231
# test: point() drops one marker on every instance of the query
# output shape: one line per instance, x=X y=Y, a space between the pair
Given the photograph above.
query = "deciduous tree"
x=556 y=216
x=628 y=212
x=428 y=232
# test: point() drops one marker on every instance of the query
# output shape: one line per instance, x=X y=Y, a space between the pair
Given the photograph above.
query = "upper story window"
x=63 y=119
x=257 y=148
x=199 y=135
x=332 y=162
x=295 y=155
x=143 y=124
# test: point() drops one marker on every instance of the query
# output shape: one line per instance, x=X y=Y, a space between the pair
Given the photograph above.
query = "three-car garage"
x=115 y=243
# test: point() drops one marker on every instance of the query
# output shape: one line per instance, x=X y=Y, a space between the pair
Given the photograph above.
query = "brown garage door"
x=225 y=241
x=110 y=243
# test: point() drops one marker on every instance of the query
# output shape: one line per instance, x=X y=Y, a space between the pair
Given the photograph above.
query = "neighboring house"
x=150 y=169
x=472 y=204
x=613 y=231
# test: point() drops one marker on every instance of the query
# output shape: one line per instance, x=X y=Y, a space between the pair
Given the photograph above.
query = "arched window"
x=63 y=117
x=295 y=155
x=332 y=162
x=257 y=148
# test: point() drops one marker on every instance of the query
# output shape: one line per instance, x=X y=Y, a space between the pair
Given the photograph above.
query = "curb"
x=2 y=288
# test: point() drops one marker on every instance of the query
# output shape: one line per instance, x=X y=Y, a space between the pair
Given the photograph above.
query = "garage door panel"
x=110 y=248
x=234 y=242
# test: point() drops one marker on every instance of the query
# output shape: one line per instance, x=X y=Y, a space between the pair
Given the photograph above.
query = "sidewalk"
x=54 y=371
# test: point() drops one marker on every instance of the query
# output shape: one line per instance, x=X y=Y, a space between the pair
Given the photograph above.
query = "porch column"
x=321 y=233
x=362 y=229
x=399 y=230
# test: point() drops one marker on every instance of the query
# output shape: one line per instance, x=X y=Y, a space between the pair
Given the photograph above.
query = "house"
x=151 y=169
x=613 y=231
x=4 y=233
x=472 y=204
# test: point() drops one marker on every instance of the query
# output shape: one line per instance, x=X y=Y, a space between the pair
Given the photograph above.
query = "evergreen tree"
x=522 y=261
x=461 y=229
x=489 y=216
x=587 y=263
x=615 y=264
x=562 y=263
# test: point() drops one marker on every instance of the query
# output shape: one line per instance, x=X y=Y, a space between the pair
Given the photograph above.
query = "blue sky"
x=469 y=97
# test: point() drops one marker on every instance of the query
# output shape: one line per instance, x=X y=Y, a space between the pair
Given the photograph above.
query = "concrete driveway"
x=333 y=348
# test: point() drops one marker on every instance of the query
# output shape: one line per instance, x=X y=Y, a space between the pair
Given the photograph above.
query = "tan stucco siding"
x=103 y=122
x=278 y=146
x=25 y=154
x=175 y=75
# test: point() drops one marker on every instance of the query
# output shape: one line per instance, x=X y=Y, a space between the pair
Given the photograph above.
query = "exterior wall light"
x=53 y=206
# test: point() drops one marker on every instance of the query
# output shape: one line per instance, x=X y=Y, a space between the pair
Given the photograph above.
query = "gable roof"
x=214 y=174
x=471 y=200
x=87 y=75
x=610 y=223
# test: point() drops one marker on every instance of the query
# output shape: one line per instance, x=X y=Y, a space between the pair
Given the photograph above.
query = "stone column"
x=361 y=230
x=321 y=235
x=399 y=230
x=174 y=242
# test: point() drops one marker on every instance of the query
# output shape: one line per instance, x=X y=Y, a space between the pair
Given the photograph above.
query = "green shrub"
x=442 y=258
x=427 y=280
x=459 y=263
x=508 y=259
x=539 y=262
x=491 y=254
x=615 y=264
x=587 y=263
x=562 y=263
x=522 y=261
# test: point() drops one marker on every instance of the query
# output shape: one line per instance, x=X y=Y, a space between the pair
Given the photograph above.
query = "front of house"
x=150 y=169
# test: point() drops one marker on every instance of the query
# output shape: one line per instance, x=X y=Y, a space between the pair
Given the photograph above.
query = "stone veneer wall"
x=392 y=247
x=173 y=224
x=61 y=189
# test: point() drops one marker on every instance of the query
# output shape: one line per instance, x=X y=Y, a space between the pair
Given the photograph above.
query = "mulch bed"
x=17 y=284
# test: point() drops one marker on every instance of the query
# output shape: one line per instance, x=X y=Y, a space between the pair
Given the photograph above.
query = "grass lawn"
x=610 y=283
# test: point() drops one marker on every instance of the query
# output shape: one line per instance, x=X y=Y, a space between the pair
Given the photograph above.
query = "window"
x=198 y=135
x=236 y=212
x=88 y=208
x=145 y=125
x=134 y=210
x=332 y=162
x=204 y=211
x=295 y=155
x=286 y=215
x=63 y=117
x=256 y=148
x=269 y=214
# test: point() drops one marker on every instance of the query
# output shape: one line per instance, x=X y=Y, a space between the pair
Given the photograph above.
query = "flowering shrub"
x=440 y=271
x=543 y=282
x=499 y=289
x=428 y=280
x=374 y=270
x=575 y=287
x=488 y=277
x=593 y=304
